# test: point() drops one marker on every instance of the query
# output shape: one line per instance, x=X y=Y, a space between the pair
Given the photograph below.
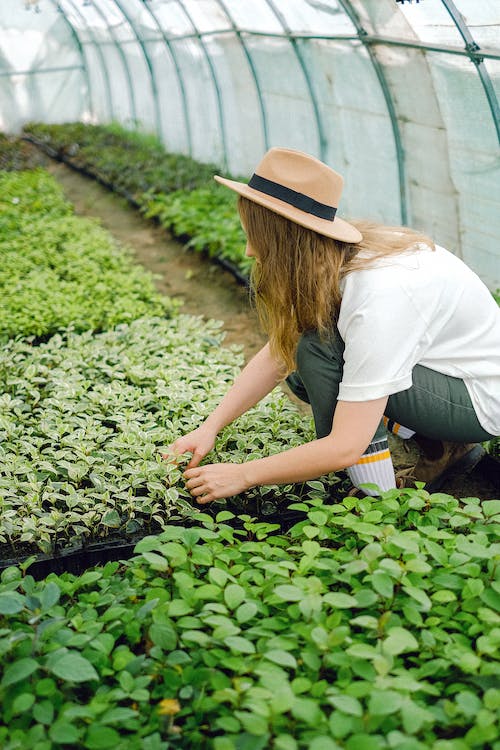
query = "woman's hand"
x=215 y=481
x=199 y=442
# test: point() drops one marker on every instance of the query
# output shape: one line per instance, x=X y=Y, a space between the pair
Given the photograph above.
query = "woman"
x=375 y=327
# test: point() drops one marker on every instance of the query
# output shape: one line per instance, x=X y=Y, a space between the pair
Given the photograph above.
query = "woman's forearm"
x=299 y=464
x=256 y=380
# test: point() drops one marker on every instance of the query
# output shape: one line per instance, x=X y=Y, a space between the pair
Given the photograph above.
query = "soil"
x=211 y=292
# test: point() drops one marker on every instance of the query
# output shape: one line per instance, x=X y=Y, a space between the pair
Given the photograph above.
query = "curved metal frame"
x=253 y=71
x=79 y=47
x=220 y=108
x=473 y=52
x=369 y=41
x=180 y=79
x=307 y=77
x=154 y=88
x=121 y=55
x=97 y=46
x=379 y=72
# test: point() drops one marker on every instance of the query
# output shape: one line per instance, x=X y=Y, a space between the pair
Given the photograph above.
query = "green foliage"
x=172 y=188
x=16 y=154
x=83 y=419
x=27 y=196
x=208 y=216
x=58 y=270
x=374 y=623
x=131 y=161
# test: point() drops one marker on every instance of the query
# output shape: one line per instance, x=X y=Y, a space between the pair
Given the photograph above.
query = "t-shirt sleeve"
x=384 y=337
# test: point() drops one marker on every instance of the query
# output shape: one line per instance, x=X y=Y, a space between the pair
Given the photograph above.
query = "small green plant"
x=373 y=624
x=83 y=419
x=61 y=271
x=16 y=155
x=174 y=189
x=131 y=161
x=207 y=217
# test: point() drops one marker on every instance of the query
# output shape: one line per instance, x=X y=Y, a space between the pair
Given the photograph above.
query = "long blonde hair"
x=295 y=281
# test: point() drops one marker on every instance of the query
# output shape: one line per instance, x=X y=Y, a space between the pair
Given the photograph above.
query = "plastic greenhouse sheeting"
x=401 y=97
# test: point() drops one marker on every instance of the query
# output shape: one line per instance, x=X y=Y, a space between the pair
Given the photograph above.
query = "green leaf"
x=64 y=733
x=491 y=598
x=308 y=711
x=474 y=549
x=491 y=507
x=218 y=576
x=419 y=596
x=384 y=702
x=234 y=595
x=323 y=742
x=111 y=519
x=363 y=742
x=19 y=671
x=347 y=704
x=383 y=584
x=72 y=667
x=50 y=595
x=163 y=635
x=288 y=592
x=11 y=602
x=283 y=658
x=156 y=561
x=22 y=703
x=101 y=737
x=399 y=640
x=246 y=612
x=239 y=644
x=340 y=600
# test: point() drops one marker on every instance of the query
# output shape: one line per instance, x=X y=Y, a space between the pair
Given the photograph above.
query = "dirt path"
x=209 y=291
x=205 y=288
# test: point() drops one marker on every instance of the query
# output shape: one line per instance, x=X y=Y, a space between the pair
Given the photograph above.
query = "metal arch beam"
x=154 y=89
x=180 y=79
x=99 y=54
x=400 y=155
x=220 y=109
x=473 y=51
x=121 y=56
x=79 y=47
x=253 y=71
x=307 y=77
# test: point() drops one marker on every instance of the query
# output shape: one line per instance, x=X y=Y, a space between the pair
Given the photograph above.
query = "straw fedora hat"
x=301 y=188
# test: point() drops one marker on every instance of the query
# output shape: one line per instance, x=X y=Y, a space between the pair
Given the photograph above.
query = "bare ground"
x=211 y=292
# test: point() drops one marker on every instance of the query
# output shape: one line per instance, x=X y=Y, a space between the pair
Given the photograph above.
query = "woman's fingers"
x=214 y=481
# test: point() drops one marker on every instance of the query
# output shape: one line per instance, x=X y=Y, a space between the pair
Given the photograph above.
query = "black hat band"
x=298 y=200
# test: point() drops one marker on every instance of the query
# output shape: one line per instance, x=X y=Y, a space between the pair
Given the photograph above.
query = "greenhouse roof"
x=401 y=97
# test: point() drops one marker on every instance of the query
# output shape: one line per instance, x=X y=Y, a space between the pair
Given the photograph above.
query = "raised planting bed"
x=61 y=271
x=16 y=155
x=84 y=417
x=371 y=625
x=173 y=189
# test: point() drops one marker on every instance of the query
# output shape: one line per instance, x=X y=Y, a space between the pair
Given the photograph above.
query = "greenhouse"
x=197 y=549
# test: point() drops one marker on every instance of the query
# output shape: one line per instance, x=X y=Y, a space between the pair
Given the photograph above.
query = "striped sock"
x=398 y=429
x=374 y=467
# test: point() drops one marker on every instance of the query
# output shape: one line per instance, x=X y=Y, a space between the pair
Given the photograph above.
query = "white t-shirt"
x=420 y=307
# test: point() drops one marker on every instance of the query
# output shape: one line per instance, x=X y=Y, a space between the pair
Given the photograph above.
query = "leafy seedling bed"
x=182 y=198
x=117 y=547
x=372 y=624
x=59 y=270
x=84 y=420
x=15 y=155
x=149 y=207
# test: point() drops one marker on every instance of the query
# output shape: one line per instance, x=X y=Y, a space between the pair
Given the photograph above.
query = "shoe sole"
x=464 y=465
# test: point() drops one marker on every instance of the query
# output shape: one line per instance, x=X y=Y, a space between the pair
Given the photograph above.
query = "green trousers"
x=436 y=406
